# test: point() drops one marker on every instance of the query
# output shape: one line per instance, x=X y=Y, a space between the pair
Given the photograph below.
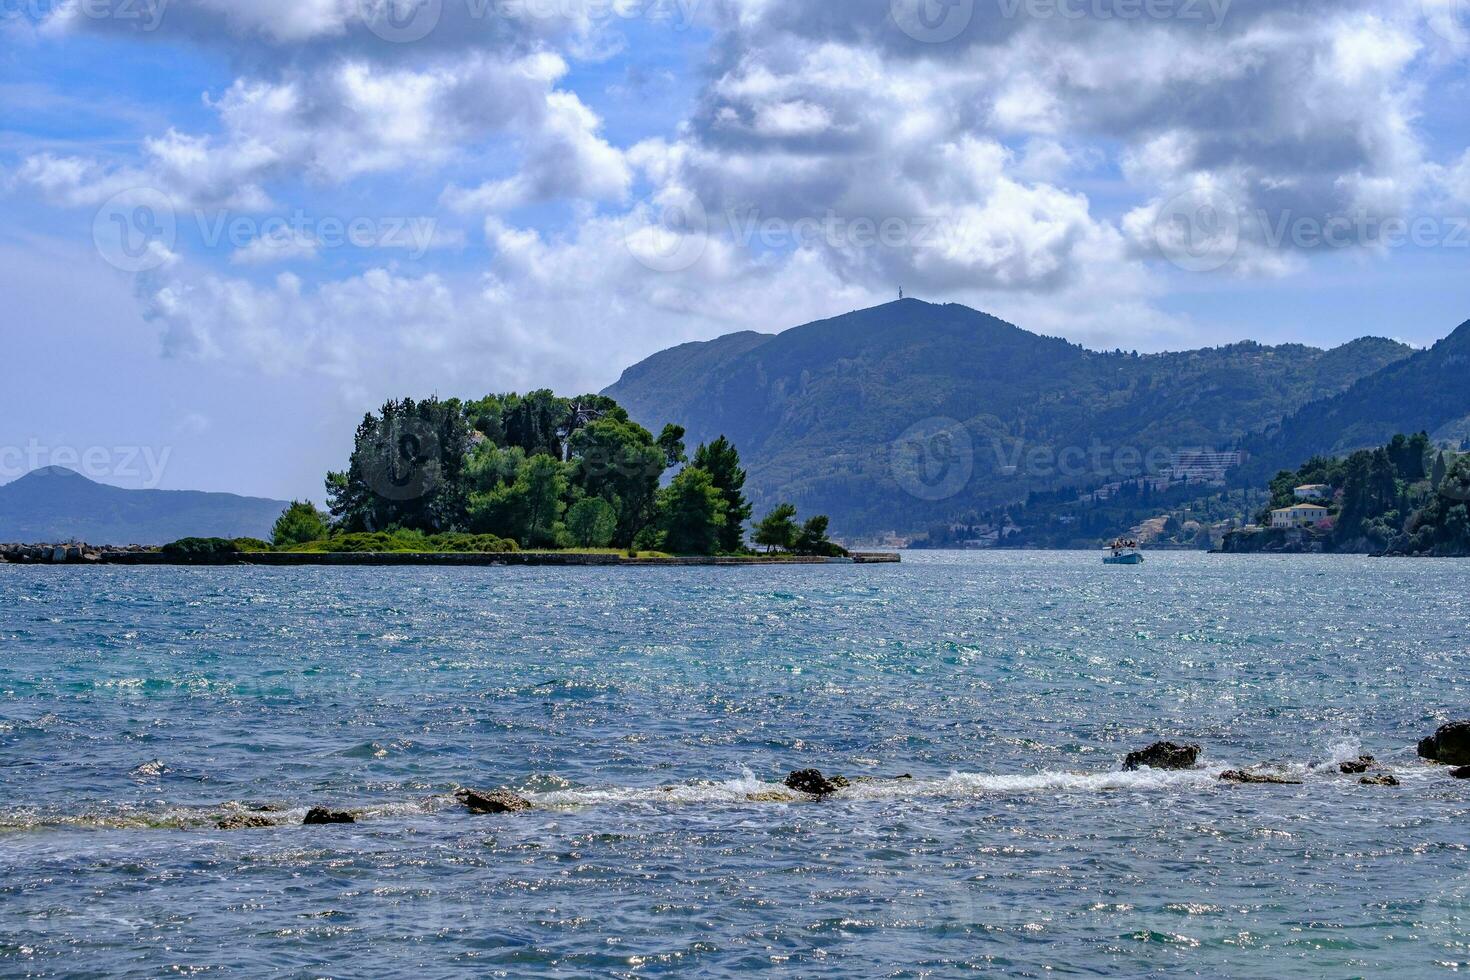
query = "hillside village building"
x=1302 y=515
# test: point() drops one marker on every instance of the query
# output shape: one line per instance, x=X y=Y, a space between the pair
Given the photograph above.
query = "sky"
x=231 y=228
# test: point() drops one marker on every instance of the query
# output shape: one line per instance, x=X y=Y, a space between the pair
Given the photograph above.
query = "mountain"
x=905 y=414
x=1427 y=392
x=56 y=504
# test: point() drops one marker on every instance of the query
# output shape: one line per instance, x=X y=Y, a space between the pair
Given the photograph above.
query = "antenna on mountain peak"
x=900 y=294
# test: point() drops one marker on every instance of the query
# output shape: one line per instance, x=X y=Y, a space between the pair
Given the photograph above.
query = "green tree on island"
x=812 y=540
x=777 y=531
x=618 y=460
x=691 y=514
x=721 y=461
x=300 y=523
x=671 y=441
x=592 y=523
x=527 y=509
x=406 y=470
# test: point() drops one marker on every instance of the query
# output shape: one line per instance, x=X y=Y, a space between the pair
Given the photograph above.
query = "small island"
x=514 y=479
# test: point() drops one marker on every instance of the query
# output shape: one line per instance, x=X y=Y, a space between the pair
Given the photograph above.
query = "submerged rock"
x=1382 y=779
x=499 y=801
x=775 y=796
x=1358 y=766
x=1163 y=755
x=813 y=783
x=319 y=816
x=862 y=780
x=1462 y=773
x=1240 y=776
x=244 y=821
x=1449 y=746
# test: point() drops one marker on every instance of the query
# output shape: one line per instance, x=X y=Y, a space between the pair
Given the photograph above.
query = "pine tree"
x=778 y=531
x=721 y=461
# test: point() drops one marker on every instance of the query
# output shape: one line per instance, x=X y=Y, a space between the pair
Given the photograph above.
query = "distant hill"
x=56 y=504
x=1428 y=392
x=816 y=410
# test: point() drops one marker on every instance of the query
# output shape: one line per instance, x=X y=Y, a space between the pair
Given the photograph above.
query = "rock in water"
x=244 y=821
x=773 y=797
x=1462 y=773
x=1163 y=755
x=500 y=801
x=1358 y=766
x=319 y=816
x=812 y=782
x=1449 y=746
x=1382 y=779
x=1244 y=778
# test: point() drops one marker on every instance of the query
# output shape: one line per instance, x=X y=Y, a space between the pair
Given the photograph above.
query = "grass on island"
x=381 y=543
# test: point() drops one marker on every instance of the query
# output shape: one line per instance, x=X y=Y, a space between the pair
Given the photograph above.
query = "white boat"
x=1124 y=553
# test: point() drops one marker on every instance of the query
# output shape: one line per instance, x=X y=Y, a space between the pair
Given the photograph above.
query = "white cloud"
x=356 y=118
x=1027 y=167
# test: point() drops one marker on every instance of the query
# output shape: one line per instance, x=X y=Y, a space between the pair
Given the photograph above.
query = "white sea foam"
x=748 y=790
x=1346 y=749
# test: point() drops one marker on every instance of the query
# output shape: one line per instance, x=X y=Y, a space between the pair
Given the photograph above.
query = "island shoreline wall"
x=450 y=560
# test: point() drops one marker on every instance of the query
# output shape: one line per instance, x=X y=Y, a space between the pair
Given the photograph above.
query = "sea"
x=979 y=704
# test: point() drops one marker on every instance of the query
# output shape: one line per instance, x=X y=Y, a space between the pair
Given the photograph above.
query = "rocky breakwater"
x=71 y=553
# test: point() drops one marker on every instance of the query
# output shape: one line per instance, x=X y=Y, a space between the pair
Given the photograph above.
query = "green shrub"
x=300 y=523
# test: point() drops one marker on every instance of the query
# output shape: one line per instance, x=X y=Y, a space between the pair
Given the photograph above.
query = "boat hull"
x=1124 y=560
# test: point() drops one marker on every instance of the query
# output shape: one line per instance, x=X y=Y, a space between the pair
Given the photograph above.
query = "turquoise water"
x=642 y=710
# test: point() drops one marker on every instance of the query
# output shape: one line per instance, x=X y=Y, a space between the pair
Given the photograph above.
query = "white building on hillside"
x=1313 y=491
x=1302 y=515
